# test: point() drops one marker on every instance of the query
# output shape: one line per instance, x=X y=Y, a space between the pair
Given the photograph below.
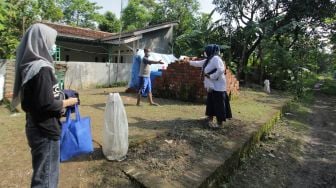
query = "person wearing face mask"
x=213 y=69
x=37 y=89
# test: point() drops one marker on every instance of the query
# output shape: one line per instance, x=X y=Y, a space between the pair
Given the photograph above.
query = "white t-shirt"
x=217 y=80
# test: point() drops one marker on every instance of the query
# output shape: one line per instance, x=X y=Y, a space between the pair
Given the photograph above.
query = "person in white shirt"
x=217 y=103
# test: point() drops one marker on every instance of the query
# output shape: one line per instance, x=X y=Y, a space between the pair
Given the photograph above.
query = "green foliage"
x=329 y=84
x=252 y=22
x=135 y=16
x=192 y=43
x=82 y=13
x=16 y=16
x=185 y=12
x=109 y=23
x=49 y=10
x=9 y=32
x=188 y=30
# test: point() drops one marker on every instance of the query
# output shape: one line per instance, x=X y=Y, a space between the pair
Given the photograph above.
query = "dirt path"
x=300 y=152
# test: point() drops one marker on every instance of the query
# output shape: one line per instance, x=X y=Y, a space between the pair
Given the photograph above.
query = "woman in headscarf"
x=213 y=69
x=36 y=88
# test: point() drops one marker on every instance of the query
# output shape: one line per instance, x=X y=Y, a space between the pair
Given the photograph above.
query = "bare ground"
x=168 y=140
x=300 y=151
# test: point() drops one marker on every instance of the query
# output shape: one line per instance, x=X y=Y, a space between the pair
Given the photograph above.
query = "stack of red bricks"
x=9 y=80
x=182 y=81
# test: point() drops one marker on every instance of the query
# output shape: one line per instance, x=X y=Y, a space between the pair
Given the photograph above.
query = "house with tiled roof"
x=87 y=45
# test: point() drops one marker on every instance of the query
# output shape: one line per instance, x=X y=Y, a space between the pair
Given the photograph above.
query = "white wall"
x=82 y=75
x=2 y=78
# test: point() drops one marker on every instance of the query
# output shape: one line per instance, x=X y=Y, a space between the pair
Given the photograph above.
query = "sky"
x=114 y=6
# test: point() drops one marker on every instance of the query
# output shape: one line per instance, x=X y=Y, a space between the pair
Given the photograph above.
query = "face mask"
x=53 y=49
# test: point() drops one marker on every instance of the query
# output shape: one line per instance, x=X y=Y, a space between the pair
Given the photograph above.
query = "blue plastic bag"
x=76 y=138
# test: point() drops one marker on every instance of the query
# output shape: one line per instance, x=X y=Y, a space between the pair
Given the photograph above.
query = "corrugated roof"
x=89 y=34
x=78 y=32
x=141 y=31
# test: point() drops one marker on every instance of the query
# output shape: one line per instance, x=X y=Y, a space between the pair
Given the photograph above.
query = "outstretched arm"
x=147 y=61
x=197 y=63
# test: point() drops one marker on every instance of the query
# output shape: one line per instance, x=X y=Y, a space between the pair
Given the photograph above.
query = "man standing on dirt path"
x=145 y=86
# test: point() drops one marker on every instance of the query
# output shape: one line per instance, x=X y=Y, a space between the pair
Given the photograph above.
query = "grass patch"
x=298 y=113
x=329 y=86
x=116 y=84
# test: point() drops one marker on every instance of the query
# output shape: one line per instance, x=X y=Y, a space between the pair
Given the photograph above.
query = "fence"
x=75 y=75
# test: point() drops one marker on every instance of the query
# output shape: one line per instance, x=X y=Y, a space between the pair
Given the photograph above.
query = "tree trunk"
x=241 y=65
x=261 y=66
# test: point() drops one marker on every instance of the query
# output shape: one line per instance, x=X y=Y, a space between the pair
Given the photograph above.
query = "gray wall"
x=82 y=75
x=125 y=52
x=83 y=52
x=2 y=66
x=159 y=41
x=2 y=78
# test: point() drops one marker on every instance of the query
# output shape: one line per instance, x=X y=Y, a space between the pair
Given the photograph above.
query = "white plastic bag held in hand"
x=115 y=131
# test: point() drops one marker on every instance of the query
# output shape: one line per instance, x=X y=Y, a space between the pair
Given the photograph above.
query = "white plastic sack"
x=267 y=87
x=2 y=84
x=115 y=131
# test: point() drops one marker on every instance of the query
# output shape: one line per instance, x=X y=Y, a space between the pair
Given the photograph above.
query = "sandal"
x=213 y=125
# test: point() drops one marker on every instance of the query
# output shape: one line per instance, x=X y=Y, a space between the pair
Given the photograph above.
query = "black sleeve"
x=146 y=61
x=45 y=89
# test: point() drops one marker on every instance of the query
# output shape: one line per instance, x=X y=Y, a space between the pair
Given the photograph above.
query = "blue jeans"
x=45 y=157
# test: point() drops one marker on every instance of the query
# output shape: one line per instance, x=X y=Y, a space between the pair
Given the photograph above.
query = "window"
x=121 y=59
x=96 y=59
x=67 y=58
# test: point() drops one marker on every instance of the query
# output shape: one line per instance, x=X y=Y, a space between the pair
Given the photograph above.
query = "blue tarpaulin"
x=155 y=68
x=134 y=82
x=153 y=75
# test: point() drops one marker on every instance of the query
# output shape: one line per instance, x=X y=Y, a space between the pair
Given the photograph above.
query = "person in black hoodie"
x=36 y=88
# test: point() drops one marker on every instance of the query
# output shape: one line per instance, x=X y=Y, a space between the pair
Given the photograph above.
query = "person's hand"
x=70 y=102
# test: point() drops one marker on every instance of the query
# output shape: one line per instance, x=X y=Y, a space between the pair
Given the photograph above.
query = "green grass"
x=117 y=84
x=329 y=87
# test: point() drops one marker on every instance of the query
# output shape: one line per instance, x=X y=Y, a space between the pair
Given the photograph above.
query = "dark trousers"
x=218 y=104
x=45 y=157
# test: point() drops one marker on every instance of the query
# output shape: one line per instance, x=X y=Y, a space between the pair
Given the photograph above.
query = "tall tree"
x=203 y=32
x=50 y=10
x=109 y=22
x=183 y=11
x=136 y=15
x=254 y=20
x=8 y=31
x=80 y=13
x=18 y=16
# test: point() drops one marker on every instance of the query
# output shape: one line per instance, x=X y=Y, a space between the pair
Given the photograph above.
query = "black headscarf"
x=210 y=50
